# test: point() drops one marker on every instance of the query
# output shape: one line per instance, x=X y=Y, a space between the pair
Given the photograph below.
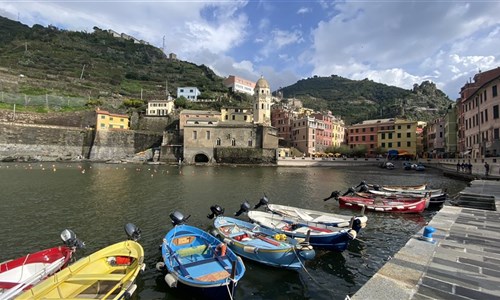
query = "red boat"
x=382 y=204
x=24 y=272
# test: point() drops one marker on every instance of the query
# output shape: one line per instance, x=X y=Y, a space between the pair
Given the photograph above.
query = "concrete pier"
x=462 y=261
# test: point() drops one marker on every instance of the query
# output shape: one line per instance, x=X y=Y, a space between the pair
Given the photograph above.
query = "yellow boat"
x=109 y=273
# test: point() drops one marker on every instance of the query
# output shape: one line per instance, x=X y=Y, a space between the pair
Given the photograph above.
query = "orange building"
x=364 y=134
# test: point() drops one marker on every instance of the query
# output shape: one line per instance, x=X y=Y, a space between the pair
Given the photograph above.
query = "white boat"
x=308 y=215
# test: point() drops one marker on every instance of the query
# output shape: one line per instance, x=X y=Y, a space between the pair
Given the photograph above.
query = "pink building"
x=479 y=116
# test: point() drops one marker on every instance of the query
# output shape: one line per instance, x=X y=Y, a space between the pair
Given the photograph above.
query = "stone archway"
x=201 y=158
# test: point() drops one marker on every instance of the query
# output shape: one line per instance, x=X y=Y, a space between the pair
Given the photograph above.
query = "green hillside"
x=361 y=100
x=99 y=69
x=93 y=65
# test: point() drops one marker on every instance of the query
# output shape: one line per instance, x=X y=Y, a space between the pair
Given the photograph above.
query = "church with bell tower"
x=262 y=102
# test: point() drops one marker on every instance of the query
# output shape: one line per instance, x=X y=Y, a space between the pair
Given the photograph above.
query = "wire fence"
x=52 y=102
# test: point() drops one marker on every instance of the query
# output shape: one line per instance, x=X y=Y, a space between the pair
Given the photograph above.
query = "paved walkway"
x=462 y=261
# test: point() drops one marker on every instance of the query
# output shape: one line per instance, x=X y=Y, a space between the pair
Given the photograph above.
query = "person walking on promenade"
x=486 y=168
x=458 y=167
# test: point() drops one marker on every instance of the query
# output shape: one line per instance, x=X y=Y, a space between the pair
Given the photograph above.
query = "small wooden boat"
x=198 y=260
x=388 y=205
x=27 y=271
x=260 y=244
x=109 y=273
x=393 y=187
x=320 y=235
x=313 y=216
x=437 y=196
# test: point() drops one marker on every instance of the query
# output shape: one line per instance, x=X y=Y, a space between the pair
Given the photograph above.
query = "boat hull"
x=320 y=235
x=109 y=273
x=398 y=205
x=261 y=244
x=316 y=217
x=27 y=271
x=193 y=258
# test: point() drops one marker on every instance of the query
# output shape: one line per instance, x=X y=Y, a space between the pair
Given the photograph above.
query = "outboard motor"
x=376 y=187
x=363 y=188
x=69 y=239
x=350 y=190
x=334 y=194
x=244 y=207
x=361 y=184
x=178 y=218
x=216 y=211
x=133 y=232
x=263 y=201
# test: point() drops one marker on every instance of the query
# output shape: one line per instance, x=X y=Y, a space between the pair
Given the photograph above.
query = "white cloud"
x=279 y=39
x=402 y=43
x=303 y=10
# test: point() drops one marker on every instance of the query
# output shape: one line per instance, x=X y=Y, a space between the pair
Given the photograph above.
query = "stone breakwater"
x=35 y=142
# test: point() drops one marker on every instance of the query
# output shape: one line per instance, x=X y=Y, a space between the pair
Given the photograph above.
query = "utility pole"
x=83 y=68
x=163 y=47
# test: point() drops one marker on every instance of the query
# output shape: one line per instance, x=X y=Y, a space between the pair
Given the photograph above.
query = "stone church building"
x=212 y=140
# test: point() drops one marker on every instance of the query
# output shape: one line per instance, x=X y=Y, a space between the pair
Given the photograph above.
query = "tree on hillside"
x=181 y=102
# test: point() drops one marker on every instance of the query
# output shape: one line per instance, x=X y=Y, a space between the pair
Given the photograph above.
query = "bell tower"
x=262 y=102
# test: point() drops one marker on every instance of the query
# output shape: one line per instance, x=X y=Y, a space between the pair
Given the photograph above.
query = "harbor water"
x=39 y=200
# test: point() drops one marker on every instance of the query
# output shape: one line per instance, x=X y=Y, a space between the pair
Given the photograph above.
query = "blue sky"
x=398 y=43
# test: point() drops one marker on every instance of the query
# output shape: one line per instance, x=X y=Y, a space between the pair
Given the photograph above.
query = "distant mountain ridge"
x=100 y=65
x=357 y=100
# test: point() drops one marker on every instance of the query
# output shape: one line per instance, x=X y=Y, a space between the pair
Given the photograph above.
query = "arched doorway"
x=201 y=158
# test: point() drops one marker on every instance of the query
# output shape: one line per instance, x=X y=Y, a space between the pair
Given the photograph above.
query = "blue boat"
x=320 y=235
x=199 y=261
x=260 y=244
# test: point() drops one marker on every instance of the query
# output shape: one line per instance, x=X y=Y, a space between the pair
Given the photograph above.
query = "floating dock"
x=461 y=260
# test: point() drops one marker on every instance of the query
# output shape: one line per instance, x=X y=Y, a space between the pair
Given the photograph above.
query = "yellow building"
x=402 y=136
x=110 y=121
x=236 y=114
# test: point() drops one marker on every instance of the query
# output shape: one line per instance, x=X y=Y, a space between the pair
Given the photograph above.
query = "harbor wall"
x=36 y=142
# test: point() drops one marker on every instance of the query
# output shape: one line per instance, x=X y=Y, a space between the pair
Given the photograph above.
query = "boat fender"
x=160 y=266
x=352 y=234
x=280 y=237
x=131 y=290
x=227 y=241
x=171 y=280
x=250 y=249
x=221 y=248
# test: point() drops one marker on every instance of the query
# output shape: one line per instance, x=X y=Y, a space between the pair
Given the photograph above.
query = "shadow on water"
x=96 y=200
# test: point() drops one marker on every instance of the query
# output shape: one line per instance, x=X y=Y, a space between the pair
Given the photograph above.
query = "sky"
x=395 y=42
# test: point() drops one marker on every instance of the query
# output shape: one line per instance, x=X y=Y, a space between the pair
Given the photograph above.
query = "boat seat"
x=200 y=249
x=208 y=260
x=215 y=276
x=96 y=277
